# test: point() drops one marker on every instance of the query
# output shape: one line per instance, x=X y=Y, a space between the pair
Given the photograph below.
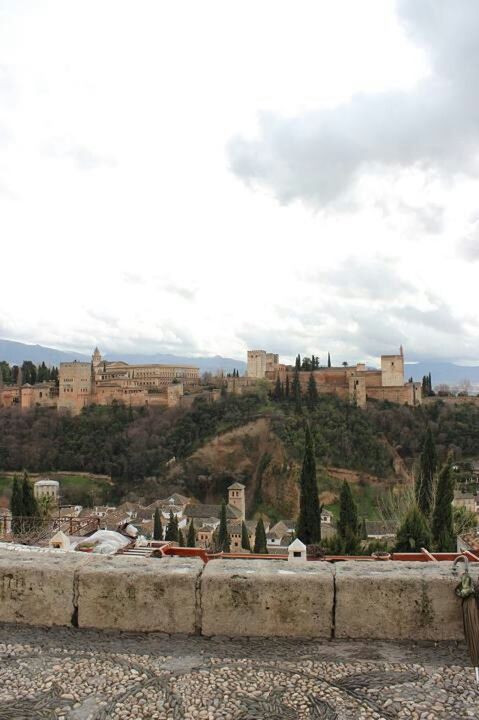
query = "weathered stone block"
x=37 y=589
x=139 y=594
x=398 y=601
x=266 y=598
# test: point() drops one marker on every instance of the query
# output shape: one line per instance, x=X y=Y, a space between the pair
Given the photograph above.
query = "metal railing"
x=37 y=530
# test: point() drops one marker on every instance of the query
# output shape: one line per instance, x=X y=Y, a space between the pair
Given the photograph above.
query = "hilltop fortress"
x=101 y=382
x=356 y=383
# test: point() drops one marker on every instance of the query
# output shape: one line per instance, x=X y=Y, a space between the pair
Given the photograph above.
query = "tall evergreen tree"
x=30 y=507
x=329 y=360
x=286 y=388
x=16 y=499
x=181 y=538
x=223 y=535
x=171 y=532
x=191 y=539
x=277 y=389
x=260 y=546
x=413 y=534
x=157 y=526
x=296 y=391
x=424 y=488
x=312 y=393
x=298 y=362
x=245 y=544
x=443 y=536
x=348 y=524
x=309 y=521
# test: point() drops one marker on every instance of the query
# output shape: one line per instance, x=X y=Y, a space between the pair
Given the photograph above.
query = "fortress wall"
x=380 y=600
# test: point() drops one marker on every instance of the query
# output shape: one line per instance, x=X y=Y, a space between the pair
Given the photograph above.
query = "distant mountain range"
x=442 y=372
x=16 y=352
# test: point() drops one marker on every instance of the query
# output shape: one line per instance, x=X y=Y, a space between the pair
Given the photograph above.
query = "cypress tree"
x=260 y=539
x=348 y=525
x=16 y=505
x=277 y=389
x=424 y=488
x=286 y=388
x=191 y=539
x=245 y=544
x=309 y=521
x=312 y=393
x=30 y=507
x=443 y=536
x=172 y=528
x=157 y=526
x=298 y=362
x=296 y=391
x=329 y=360
x=413 y=533
x=223 y=536
x=181 y=538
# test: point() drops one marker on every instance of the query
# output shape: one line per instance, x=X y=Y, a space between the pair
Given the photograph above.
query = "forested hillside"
x=133 y=445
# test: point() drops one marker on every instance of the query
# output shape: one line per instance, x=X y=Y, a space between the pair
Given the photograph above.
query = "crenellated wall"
x=381 y=600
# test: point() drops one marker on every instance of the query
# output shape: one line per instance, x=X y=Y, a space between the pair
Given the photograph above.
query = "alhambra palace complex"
x=102 y=382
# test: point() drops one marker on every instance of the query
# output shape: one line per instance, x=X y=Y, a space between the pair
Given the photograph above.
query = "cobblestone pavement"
x=85 y=675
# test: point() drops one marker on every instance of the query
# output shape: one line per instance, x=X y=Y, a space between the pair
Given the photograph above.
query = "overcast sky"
x=203 y=177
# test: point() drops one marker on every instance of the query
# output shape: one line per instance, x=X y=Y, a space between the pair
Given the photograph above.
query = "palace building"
x=102 y=382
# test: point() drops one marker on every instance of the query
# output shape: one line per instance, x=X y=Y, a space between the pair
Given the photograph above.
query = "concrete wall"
x=381 y=600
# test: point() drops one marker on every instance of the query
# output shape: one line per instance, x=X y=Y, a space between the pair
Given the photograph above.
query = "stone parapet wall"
x=380 y=600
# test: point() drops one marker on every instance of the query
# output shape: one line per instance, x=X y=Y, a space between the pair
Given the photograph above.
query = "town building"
x=46 y=488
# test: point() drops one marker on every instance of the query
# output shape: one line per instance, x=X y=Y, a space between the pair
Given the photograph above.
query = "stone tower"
x=236 y=498
x=96 y=360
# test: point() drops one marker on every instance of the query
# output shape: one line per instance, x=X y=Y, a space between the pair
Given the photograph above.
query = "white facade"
x=46 y=488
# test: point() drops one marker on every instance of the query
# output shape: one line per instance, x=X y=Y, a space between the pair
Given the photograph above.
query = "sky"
x=205 y=177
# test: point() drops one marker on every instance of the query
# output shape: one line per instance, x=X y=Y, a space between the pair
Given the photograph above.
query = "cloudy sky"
x=203 y=177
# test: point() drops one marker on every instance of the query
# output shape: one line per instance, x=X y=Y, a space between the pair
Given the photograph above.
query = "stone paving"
x=70 y=674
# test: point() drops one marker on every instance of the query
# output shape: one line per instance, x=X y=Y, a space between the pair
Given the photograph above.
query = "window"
x=296 y=554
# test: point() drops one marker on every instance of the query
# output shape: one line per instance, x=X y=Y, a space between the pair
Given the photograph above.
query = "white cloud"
x=118 y=204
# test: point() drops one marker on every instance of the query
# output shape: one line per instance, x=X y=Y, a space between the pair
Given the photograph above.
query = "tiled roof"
x=209 y=511
x=236 y=486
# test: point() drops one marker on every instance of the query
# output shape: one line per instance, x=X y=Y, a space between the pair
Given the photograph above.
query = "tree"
x=308 y=528
x=329 y=360
x=312 y=393
x=172 y=528
x=260 y=538
x=348 y=524
x=298 y=362
x=157 y=526
x=414 y=533
x=424 y=487
x=345 y=363
x=296 y=391
x=286 y=388
x=223 y=535
x=181 y=538
x=245 y=544
x=30 y=507
x=191 y=539
x=277 y=390
x=16 y=499
x=443 y=536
